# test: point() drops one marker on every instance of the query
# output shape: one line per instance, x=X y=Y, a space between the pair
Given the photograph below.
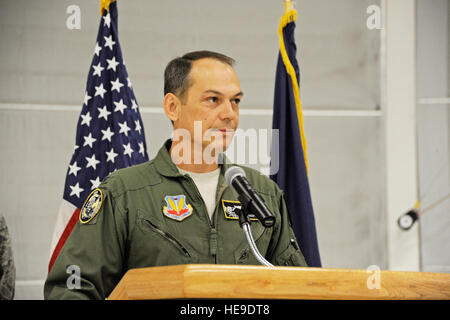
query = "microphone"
x=235 y=177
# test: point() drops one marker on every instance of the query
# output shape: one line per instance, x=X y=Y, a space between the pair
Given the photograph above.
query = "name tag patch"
x=231 y=210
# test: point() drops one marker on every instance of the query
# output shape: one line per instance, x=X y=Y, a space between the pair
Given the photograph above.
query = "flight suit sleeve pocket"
x=292 y=256
x=244 y=255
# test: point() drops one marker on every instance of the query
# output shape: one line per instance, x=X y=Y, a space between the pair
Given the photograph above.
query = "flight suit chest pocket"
x=261 y=235
x=291 y=257
x=163 y=247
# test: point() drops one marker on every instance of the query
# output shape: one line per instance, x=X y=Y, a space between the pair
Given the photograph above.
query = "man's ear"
x=172 y=106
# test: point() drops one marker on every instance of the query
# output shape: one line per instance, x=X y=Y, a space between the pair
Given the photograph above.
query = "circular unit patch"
x=91 y=206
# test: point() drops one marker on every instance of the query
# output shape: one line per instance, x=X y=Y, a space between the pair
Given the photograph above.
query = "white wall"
x=433 y=132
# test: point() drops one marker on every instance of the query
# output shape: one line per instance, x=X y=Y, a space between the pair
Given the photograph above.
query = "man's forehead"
x=208 y=73
x=208 y=67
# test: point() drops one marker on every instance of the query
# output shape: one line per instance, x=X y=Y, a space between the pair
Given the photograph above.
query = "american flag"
x=110 y=132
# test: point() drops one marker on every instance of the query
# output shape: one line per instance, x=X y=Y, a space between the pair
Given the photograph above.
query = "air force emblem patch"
x=177 y=208
x=91 y=206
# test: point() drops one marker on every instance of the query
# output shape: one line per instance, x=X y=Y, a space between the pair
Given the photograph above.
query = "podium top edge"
x=186 y=268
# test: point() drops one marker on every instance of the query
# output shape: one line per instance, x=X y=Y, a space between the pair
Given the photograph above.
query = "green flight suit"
x=134 y=228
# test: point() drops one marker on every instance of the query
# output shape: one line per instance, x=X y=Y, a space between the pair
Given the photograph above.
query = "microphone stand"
x=244 y=221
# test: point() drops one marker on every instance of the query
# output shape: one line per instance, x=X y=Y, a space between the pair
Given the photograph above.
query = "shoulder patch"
x=91 y=206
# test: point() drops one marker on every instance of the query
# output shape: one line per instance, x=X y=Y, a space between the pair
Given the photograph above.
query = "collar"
x=166 y=167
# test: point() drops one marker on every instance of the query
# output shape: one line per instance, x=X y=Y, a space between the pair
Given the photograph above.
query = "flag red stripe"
x=68 y=229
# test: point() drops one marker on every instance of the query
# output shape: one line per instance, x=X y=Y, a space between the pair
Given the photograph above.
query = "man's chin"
x=214 y=148
x=220 y=145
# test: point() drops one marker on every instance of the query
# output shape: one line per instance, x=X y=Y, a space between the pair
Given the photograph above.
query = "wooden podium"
x=197 y=281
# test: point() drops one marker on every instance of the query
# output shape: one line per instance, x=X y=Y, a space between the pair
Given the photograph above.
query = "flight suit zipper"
x=213 y=243
x=169 y=237
x=213 y=238
x=211 y=223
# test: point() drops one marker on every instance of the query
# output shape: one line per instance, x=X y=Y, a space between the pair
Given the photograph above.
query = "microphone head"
x=232 y=173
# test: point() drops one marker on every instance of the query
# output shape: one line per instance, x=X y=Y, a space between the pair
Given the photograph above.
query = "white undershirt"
x=207 y=186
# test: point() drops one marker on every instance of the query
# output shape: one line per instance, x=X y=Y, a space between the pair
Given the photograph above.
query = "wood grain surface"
x=259 y=282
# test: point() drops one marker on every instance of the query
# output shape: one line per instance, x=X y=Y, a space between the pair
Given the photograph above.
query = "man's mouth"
x=225 y=130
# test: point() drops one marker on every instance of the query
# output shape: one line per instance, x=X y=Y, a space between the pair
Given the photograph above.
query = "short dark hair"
x=176 y=74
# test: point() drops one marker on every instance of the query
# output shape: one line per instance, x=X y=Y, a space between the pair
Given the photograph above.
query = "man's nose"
x=227 y=111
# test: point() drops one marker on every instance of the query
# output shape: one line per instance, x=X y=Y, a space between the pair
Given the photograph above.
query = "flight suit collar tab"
x=164 y=163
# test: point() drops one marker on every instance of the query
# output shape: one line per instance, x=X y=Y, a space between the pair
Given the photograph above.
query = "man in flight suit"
x=176 y=208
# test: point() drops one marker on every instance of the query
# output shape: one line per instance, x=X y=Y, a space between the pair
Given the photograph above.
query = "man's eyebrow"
x=240 y=93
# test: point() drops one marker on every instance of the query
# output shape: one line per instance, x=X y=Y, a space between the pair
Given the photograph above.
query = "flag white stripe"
x=66 y=211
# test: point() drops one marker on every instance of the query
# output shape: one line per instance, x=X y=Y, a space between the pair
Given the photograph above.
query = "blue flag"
x=110 y=132
x=292 y=173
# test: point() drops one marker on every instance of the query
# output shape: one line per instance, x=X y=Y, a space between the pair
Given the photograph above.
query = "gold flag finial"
x=288 y=5
x=104 y=4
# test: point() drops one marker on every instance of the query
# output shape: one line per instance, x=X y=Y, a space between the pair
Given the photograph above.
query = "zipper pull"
x=244 y=255
x=213 y=242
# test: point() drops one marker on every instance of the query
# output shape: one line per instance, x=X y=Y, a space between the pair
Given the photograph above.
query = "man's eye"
x=237 y=101
x=213 y=99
